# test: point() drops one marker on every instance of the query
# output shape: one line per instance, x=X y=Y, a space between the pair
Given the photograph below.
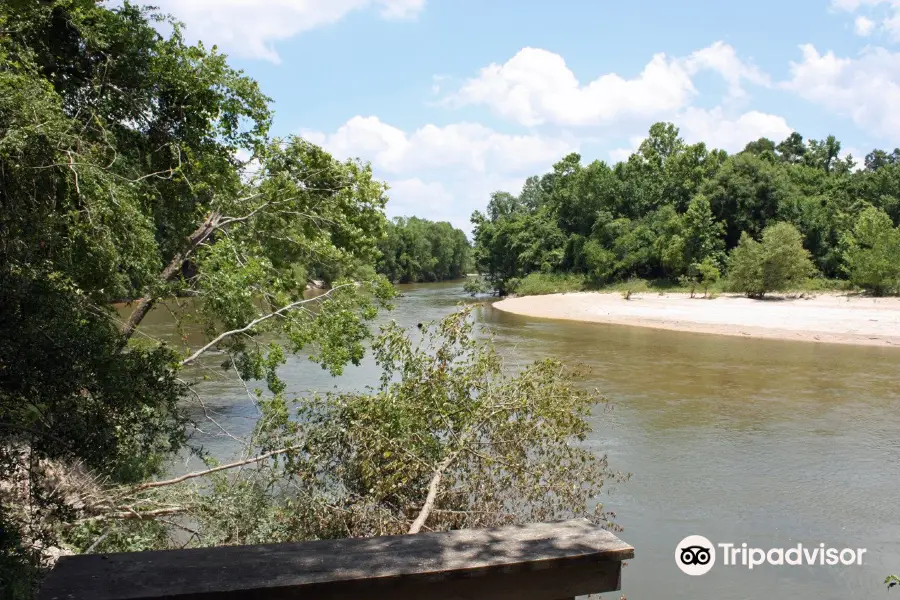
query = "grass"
x=538 y=284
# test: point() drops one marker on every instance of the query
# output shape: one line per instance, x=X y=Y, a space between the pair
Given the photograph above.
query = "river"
x=772 y=443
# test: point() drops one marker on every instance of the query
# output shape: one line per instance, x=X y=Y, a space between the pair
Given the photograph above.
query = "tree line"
x=120 y=178
x=674 y=211
x=416 y=250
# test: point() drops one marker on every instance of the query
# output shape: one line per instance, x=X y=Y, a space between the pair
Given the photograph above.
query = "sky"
x=450 y=100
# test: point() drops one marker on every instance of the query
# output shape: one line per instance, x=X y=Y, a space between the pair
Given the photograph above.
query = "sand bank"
x=827 y=318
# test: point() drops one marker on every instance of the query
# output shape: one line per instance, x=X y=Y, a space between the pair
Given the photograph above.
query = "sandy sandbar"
x=826 y=318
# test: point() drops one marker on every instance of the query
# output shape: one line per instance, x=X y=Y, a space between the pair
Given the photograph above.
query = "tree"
x=872 y=254
x=709 y=274
x=448 y=440
x=763 y=147
x=476 y=285
x=701 y=274
x=515 y=244
x=415 y=250
x=746 y=194
x=778 y=262
x=118 y=180
x=702 y=233
x=823 y=154
x=877 y=159
x=792 y=149
x=671 y=205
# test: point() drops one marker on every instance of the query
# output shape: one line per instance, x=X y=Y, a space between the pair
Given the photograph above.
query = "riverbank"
x=825 y=318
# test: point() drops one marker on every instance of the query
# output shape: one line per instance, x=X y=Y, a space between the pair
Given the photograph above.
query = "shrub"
x=872 y=254
x=708 y=274
x=476 y=285
x=776 y=263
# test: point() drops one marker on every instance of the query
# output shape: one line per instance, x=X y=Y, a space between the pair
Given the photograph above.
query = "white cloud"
x=250 y=28
x=722 y=58
x=863 y=26
x=865 y=89
x=716 y=130
x=443 y=173
x=412 y=196
x=854 y=5
x=469 y=146
x=453 y=200
x=858 y=155
x=622 y=154
x=886 y=13
x=536 y=86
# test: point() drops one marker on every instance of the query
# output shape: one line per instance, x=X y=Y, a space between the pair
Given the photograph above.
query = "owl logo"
x=695 y=555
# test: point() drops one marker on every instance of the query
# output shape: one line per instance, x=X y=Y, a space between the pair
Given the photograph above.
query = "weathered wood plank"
x=545 y=561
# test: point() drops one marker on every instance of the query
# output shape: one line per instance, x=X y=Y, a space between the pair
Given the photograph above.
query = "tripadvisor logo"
x=696 y=555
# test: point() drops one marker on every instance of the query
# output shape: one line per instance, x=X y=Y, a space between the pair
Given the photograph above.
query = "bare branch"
x=195 y=474
x=130 y=513
x=433 y=487
x=256 y=322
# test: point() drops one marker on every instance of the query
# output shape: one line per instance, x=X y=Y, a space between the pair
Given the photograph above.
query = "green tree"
x=703 y=234
x=872 y=253
x=709 y=274
x=823 y=154
x=671 y=205
x=778 y=262
x=792 y=149
x=448 y=440
x=415 y=250
x=763 y=147
x=476 y=285
x=703 y=274
x=746 y=194
x=118 y=180
x=512 y=244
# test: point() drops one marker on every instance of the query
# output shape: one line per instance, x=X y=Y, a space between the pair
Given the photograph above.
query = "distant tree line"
x=415 y=250
x=673 y=208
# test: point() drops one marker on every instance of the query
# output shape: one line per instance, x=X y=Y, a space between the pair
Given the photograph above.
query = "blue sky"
x=453 y=99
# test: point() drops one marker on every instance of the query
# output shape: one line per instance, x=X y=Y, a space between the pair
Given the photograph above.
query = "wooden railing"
x=544 y=561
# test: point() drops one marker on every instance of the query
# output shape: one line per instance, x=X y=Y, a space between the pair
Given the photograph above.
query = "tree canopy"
x=120 y=179
x=671 y=206
x=416 y=250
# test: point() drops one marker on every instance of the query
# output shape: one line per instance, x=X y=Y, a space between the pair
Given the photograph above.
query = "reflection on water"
x=740 y=440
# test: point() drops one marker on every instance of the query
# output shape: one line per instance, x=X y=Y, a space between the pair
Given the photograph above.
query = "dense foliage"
x=120 y=179
x=448 y=439
x=672 y=207
x=416 y=250
x=777 y=262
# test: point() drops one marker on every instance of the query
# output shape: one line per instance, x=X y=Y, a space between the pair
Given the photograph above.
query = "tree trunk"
x=144 y=305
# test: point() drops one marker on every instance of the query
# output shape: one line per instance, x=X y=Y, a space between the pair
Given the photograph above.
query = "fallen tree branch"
x=433 y=487
x=133 y=514
x=256 y=322
x=195 y=474
x=144 y=305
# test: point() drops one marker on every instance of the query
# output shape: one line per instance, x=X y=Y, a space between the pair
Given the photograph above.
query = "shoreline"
x=824 y=318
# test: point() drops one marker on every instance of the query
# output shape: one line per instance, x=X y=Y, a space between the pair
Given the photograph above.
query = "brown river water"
x=769 y=443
